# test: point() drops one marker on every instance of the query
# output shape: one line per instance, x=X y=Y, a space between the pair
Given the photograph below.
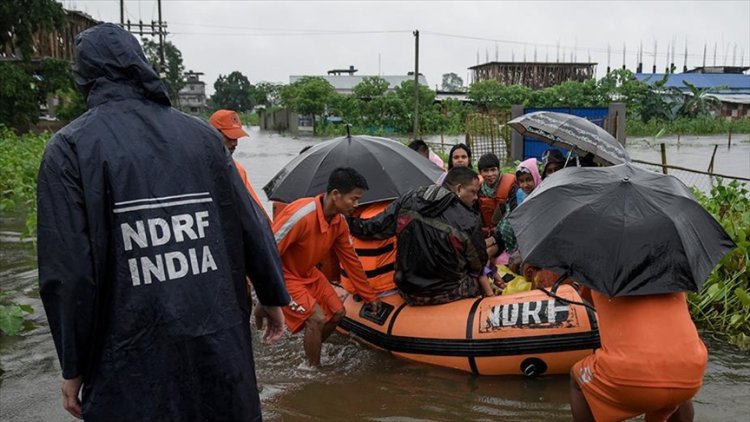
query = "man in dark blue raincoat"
x=146 y=234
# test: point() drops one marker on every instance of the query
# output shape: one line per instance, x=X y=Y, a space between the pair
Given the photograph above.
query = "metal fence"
x=701 y=180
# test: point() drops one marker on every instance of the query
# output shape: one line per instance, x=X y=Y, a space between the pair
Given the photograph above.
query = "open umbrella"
x=620 y=230
x=390 y=167
x=572 y=132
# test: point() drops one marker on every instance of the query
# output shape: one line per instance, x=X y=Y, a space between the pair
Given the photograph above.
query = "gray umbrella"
x=572 y=132
x=390 y=167
x=620 y=230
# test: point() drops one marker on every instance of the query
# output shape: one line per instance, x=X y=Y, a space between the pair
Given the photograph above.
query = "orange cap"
x=228 y=122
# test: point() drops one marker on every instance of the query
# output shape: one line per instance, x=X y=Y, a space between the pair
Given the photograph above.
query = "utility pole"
x=158 y=29
x=416 y=85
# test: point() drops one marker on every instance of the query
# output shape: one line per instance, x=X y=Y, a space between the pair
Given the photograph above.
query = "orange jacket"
x=304 y=239
x=488 y=205
x=378 y=257
x=649 y=341
x=243 y=175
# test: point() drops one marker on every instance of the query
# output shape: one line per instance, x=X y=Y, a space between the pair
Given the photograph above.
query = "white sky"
x=270 y=40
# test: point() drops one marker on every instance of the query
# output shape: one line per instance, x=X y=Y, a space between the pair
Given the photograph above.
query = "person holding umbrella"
x=639 y=240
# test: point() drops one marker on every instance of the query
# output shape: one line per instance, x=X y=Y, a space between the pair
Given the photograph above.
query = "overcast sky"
x=271 y=40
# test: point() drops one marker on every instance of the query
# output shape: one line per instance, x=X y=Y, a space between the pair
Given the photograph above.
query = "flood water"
x=355 y=383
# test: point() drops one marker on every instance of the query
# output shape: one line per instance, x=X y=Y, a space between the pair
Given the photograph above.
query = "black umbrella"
x=572 y=132
x=620 y=230
x=390 y=167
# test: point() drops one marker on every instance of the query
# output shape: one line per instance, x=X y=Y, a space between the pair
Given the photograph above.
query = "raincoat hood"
x=110 y=66
x=533 y=167
x=434 y=200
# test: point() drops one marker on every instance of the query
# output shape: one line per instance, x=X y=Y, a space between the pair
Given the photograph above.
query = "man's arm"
x=66 y=266
x=353 y=267
x=381 y=226
x=475 y=248
x=262 y=261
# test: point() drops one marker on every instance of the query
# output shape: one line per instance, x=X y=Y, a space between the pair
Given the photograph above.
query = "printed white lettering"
x=193 y=261
x=208 y=260
x=510 y=314
x=166 y=234
x=183 y=225
x=133 y=264
x=150 y=268
x=202 y=222
x=172 y=272
x=129 y=235
x=553 y=309
x=171 y=231
x=527 y=312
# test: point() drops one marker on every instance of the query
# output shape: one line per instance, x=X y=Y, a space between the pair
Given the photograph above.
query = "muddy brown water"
x=355 y=383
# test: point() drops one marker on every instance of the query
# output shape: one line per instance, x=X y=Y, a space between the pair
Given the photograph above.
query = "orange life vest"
x=488 y=205
x=378 y=257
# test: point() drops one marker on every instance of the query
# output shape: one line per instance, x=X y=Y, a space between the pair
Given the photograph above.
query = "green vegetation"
x=723 y=304
x=19 y=165
x=173 y=71
x=11 y=315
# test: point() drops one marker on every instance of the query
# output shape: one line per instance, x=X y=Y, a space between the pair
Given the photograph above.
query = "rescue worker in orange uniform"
x=305 y=232
x=651 y=361
x=495 y=192
x=378 y=256
x=228 y=123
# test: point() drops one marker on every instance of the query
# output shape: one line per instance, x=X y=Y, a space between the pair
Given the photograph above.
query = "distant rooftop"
x=546 y=64
x=345 y=83
x=723 y=82
x=720 y=69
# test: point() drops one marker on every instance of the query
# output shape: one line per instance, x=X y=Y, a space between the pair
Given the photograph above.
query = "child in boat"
x=528 y=178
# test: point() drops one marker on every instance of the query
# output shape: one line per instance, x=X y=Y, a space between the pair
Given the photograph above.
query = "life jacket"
x=378 y=257
x=488 y=204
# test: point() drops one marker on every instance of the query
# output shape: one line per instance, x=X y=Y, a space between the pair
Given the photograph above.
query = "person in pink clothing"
x=528 y=178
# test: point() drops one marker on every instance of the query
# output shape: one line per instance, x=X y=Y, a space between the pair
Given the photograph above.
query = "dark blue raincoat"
x=146 y=234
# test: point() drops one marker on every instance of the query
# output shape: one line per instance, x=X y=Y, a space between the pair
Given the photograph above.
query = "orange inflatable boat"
x=528 y=333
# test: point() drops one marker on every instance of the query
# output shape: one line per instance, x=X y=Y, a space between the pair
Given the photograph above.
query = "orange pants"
x=306 y=292
x=610 y=402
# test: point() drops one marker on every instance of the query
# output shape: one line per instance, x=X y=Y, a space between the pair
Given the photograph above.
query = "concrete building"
x=192 y=96
x=535 y=75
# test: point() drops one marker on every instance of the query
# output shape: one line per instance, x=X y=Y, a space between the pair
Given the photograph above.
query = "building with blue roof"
x=729 y=85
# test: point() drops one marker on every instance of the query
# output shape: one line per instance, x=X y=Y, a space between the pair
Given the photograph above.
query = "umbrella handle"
x=559 y=281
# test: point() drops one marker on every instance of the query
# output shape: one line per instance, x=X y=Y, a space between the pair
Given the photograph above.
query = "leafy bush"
x=11 y=315
x=723 y=304
x=19 y=165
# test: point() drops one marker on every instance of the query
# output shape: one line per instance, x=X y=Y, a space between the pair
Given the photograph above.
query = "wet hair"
x=345 y=180
x=488 y=160
x=455 y=147
x=418 y=145
x=459 y=176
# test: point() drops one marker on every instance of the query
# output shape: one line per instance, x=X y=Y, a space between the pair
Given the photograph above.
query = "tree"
x=233 y=92
x=308 y=96
x=173 y=66
x=18 y=103
x=452 y=82
x=696 y=102
x=404 y=115
x=370 y=87
x=21 y=19
x=266 y=94
x=492 y=95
